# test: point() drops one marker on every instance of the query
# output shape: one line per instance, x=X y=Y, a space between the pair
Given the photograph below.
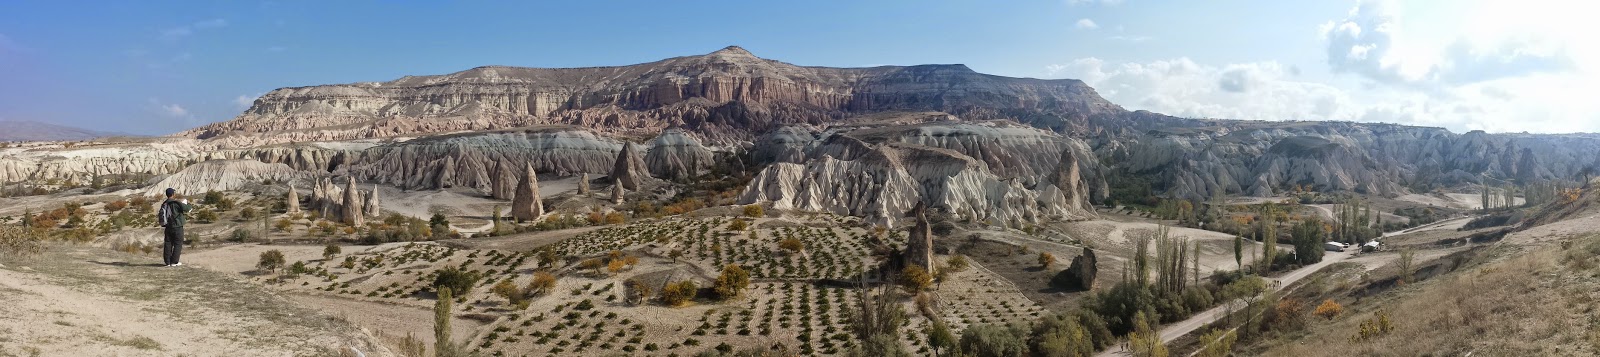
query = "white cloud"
x=175 y=33
x=1272 y=91
x=1368 y=42
x=174 y=110
x=1087 y=24
x=243 y=102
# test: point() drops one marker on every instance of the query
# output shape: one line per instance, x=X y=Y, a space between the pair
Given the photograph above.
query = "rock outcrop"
x=616 y=194
x=293 y=200
x=628 y=171
x=372 y=207
x=583 y=185
x=527 y=206
x=350 y=211
x=676 y=156
x=919 y=244
x=479 y=160
x=1080 y=275
x=223 y=175
x=881 y=181
x=728 y=95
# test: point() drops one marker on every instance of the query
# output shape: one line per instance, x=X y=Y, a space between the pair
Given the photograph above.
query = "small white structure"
x=1333 y=246
x=1370 y=246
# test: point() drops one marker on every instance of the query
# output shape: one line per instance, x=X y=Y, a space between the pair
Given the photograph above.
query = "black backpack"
x=168 y=214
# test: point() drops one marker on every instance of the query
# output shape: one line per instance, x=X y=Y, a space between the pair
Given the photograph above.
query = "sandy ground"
x=1466 y=201
x=1216 y=247
x=393 y=321
x=79 y=301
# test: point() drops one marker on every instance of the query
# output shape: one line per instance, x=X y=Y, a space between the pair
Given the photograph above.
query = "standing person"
x=171 y=217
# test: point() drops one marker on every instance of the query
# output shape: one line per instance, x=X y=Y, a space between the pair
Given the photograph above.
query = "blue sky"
x=160 y=67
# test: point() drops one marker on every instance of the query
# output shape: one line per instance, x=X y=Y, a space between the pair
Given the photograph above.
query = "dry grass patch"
x=1530 y=304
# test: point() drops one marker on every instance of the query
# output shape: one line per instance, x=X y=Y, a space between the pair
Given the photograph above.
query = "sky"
x=155 y=68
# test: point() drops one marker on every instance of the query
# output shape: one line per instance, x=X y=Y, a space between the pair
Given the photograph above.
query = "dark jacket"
x=180 y=210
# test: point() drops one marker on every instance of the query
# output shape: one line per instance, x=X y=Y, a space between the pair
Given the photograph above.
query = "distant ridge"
x=24 y=130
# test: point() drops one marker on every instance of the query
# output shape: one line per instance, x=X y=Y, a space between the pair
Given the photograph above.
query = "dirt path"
x=82 y=301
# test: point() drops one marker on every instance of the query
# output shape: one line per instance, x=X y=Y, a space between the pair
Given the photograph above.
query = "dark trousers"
x=173 y=245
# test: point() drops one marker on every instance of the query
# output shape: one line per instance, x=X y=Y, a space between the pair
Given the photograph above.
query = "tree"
x=754 y=211
x=330 y=251
x=1407 y=264
x=914 y=279
x=1061 y=335
x=205 y=215
x=548 y=257
x=738 y=224
x=956 y=263
x=676 y=294
x=456 y=280
x=1238 y=251
x=791 y=244
x=993 y=341
x=115 y=206
x=615 y=266
x=1046 y=260
x=441 y=324
x=282 y=225
x=271 y=260
x=1328 y=309
x=939 y=337
x=1144 y=339
x=595 y=264
x=637 y=291
x=1308 y=240
x=733 y=280
x=247 y=213
x=1218 y=343
x=542 y=283
x=508 y=290
x=438 y=220
x=877 y=322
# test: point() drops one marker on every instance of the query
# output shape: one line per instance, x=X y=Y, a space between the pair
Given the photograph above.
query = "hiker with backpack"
x=171 y=217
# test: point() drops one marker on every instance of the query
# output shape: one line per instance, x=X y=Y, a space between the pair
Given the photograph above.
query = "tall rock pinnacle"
x=919 y=249
x=293 y=200
x=629 y=170
x=527 y=206
x=350 y=211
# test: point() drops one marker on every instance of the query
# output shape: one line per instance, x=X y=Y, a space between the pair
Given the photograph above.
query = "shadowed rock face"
x=628 y=171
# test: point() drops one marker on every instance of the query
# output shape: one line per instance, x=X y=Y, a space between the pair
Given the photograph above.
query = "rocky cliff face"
x=727 y=95
x=1267 y=158
x=881 y=181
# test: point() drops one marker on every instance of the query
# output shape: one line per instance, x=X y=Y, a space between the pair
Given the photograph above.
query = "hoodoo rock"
x=527 y=206
x=350 y=211
x=504 y=184
x=629 y=170
x=616 y=194
x=371 y=206
x=583 y=185
x=1080 y=274
x=919 y=246
x=293 y=200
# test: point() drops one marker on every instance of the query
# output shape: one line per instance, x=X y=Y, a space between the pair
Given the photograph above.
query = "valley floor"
x=89 y=301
